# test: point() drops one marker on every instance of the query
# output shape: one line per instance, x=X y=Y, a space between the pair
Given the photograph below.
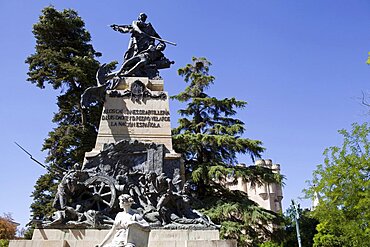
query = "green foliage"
x=343 y=183
x=43 y=195
x=208 y=133
x=210 y=138
x=28 y=233
x=65 y=60
x=368 y=59
x=239 y=217
x=307 y=227
x=63 y=55
x=4 y=242
x=271 y=244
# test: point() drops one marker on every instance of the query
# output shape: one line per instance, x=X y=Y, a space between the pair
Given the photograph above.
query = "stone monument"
x=133 y=157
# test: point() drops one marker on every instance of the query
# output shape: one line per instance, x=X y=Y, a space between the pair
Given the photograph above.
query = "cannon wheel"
x=102 y=192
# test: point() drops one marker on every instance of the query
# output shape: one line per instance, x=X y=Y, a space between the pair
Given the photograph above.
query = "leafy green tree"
x=4 y=242
x=343 y=183
x=307 y=227
x=64 y=59
x=210 y=138
x=270 y=244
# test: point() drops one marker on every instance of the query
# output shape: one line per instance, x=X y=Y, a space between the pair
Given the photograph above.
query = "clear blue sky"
x=300 y=65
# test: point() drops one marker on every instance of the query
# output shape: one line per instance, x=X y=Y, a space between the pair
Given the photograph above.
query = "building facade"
x=268 y=196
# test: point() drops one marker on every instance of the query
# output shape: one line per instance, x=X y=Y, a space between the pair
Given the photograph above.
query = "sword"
x=38 y=162
x=162 y=40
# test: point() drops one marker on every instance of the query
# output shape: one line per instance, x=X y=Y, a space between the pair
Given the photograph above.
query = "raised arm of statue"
x=122 y=28
x=144 y=55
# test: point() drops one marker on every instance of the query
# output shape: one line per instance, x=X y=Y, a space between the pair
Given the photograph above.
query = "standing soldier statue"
x=143 y=57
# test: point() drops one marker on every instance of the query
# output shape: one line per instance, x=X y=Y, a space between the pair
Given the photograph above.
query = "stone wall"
x=268 y=196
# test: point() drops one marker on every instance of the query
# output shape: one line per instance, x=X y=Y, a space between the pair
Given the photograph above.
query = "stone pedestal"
x=92 y=237
x=188 y=238
x=138 y=236
x=137 y=109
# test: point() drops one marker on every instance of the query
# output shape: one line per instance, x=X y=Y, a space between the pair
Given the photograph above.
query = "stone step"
x=92 y=237
x=193 y=243
x=69 y=234
x=92 y=243
x=38 y=243
x=94 y=234
x=211 y=243
x=82 y=243
x=182 y=235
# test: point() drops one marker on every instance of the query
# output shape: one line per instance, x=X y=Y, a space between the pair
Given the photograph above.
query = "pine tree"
x=210 y=138
x=65 y=59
